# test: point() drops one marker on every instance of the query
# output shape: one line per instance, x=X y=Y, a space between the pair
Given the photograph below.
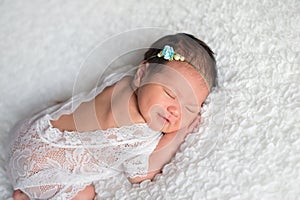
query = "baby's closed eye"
x=170 y=93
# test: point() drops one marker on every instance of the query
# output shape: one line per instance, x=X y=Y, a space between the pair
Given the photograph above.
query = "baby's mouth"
x=164 y=119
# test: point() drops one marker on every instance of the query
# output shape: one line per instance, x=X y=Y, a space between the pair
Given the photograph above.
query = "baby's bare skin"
x=19 y=195
x=97 y=114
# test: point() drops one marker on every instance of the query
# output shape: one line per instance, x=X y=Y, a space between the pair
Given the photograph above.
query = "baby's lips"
x=167 y=118
x=170 y=119
x=163 y=118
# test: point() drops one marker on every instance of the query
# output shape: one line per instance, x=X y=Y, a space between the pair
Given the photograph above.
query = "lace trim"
x=73 y=139
x=55 y=192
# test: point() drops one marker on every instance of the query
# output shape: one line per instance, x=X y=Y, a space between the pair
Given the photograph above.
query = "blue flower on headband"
x=168 y=52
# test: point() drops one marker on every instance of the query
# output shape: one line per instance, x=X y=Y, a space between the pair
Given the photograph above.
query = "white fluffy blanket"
x=248 y=145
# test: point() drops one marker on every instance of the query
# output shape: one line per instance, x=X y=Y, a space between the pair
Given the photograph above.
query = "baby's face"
x=171 y=98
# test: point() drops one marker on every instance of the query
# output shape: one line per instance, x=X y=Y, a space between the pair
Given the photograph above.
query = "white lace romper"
x=47 y=163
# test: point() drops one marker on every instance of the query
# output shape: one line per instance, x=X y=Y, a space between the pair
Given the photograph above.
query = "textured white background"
x=248 y=146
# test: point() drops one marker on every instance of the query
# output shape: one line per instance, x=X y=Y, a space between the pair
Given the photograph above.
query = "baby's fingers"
x=194 y=124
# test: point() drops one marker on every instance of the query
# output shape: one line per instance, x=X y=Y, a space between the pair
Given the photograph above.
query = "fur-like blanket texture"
x=248 y=143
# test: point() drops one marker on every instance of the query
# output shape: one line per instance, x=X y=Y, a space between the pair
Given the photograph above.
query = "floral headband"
x=169 y=54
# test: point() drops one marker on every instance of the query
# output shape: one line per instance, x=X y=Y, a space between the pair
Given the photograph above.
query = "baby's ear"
x=140 y=73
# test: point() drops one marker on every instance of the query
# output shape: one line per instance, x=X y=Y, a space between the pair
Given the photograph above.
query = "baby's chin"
x=170 y=130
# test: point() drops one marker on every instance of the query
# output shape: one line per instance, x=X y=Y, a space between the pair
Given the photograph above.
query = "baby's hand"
x=189 y=129
x=194 y=124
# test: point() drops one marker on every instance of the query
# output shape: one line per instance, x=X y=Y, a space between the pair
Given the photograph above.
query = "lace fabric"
x=47 y=163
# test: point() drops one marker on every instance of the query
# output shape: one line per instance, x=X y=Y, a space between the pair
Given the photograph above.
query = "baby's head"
x=195 y=52
x=173 y=81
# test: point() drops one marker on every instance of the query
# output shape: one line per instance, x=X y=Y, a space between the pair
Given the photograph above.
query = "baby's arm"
x=165 y=150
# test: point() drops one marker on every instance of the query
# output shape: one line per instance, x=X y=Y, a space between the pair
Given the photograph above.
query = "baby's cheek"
x=154 y=113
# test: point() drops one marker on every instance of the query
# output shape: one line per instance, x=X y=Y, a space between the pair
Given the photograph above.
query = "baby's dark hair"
x=195 y=51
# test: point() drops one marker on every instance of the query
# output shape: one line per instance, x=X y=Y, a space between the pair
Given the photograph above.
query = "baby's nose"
x=173 y=110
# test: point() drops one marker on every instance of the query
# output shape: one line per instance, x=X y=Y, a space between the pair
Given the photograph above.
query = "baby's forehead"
x=192 y=77
x=185 y=81
x=180 y=71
